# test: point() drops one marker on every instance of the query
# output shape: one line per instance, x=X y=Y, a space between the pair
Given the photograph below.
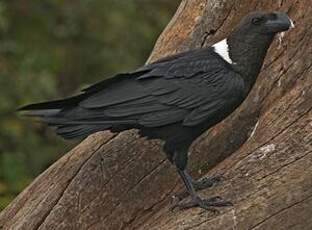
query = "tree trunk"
x=124 y=182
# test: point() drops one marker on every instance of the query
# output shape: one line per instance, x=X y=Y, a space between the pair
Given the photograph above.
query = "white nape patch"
x=222 y=49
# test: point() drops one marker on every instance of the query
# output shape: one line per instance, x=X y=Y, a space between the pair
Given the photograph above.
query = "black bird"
x=174 y=99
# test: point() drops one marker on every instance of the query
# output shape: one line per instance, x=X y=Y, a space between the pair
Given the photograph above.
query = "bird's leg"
x=196 y=201
x=203 y=183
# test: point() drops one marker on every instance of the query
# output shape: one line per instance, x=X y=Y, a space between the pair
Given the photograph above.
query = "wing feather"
x=170 y=96
x=162 y=118
x=187 y=88
x=124 y=91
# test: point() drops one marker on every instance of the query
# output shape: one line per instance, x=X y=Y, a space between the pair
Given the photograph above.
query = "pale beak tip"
x=292 y=25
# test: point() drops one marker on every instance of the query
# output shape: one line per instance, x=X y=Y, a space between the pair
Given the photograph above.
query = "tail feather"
x=71 y=121
x=56 y=104
x=79 y=131
x=40 y=113
x=54 y=113
x=92 y=110
x=50 y=108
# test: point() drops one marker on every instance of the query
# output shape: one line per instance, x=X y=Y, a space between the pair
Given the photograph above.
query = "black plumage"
x=174 y=99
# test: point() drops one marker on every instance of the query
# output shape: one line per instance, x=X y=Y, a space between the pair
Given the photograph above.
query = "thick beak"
x=281 y=23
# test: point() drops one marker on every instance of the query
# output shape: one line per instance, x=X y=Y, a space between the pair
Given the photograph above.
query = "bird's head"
x=251 y=38
x=265 y=23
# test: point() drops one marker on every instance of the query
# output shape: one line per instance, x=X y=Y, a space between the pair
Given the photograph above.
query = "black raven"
x=174 y=99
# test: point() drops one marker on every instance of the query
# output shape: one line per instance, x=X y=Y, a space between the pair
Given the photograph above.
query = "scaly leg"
x=203 y=183
x=196 y=201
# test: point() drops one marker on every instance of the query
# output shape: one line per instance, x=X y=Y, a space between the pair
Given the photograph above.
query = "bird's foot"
x=208 y=204
x=203 y=183
x=207 y=182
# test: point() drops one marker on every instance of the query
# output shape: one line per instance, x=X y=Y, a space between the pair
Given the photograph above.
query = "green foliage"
x=51 y=48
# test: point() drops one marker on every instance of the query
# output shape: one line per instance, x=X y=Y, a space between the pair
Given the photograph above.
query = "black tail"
x=113 y=104
x=54 y=114
x=79 y=131
x=47 y=107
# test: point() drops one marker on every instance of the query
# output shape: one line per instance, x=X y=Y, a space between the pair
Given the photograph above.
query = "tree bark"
x=263 y=150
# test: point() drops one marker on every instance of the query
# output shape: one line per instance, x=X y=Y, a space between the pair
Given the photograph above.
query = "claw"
x=196 y=201
x=217 y=202
x=207 y=204
x=203 y=183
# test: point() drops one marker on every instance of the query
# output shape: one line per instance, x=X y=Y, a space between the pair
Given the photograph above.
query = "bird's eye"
x=257 y=20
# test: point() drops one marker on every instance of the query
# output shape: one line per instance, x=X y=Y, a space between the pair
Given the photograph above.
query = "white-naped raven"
x=174 y=99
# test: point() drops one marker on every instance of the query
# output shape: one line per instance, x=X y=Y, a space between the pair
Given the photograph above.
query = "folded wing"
x=186 y=89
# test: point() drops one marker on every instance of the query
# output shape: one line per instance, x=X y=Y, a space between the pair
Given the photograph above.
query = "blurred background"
x=50 y=49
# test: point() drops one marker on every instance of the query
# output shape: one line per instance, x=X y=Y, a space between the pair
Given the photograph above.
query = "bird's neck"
x=247 y=53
